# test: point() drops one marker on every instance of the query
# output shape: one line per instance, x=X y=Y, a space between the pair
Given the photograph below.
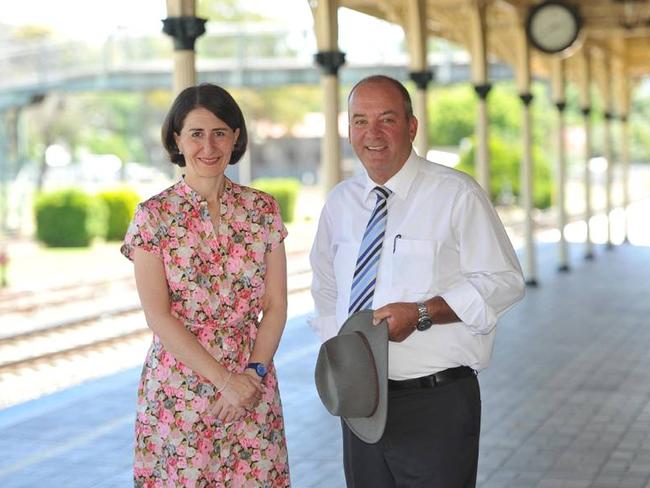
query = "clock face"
x=552 y=26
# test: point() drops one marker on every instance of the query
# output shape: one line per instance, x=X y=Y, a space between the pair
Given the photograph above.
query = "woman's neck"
x=209 y=188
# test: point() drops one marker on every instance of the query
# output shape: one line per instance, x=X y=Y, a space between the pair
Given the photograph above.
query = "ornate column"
x=609 y=175
x=584 y=60
x=415 y=30
x=523 y=73
x=184 y=27
x=623 y=103
x=625 y=177
x=330 y=59
x=482 y=87
x=558 y=75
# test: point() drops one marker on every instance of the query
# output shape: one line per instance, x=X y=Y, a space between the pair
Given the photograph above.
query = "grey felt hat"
x=352 y=375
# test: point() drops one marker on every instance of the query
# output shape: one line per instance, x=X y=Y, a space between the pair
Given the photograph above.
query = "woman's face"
x=207 y=142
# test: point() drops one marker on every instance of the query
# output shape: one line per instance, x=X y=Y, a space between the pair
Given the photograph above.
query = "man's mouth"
x=376 y=148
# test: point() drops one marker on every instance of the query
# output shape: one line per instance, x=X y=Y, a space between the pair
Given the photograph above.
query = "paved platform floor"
x=566 y=401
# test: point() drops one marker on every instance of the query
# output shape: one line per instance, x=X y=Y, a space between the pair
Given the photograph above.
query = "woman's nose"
x=208 y=143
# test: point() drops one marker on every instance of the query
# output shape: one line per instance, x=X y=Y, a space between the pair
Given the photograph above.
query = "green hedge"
x=120 y=203
x=505 y=167
x=69 y=218
x=284 y=190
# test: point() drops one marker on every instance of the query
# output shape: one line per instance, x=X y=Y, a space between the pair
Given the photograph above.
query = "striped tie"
x=365 y=274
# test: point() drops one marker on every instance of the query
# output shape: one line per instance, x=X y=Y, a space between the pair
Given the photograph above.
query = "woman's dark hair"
x=212 y=98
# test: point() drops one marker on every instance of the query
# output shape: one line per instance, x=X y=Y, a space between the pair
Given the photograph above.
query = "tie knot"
x=382 y=192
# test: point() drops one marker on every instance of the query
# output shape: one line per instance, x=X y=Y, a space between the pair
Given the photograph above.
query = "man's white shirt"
x=443 y=237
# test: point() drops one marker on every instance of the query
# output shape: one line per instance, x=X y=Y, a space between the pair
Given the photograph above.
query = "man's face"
x=379 y=130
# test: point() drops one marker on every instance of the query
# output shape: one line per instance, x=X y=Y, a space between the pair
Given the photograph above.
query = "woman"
x=209 y=259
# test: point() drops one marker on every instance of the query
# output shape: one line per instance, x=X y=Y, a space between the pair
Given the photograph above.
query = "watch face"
x=552 y=26
x=260 y=369
x=424 y=324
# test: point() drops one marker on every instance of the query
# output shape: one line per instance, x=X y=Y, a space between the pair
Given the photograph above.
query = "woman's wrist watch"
x=259 y=368
x=424 y=319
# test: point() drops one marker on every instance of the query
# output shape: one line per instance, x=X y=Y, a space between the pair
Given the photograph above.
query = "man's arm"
x=323 y=286
x=491 y=282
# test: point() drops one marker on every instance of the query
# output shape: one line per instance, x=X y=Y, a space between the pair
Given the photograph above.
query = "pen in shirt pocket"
x=397 y=236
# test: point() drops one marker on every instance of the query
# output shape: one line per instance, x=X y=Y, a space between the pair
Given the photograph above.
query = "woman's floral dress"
x=216 y=282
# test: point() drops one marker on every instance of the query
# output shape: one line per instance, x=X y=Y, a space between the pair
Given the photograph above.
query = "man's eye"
x=196 y=134
x=359 y=122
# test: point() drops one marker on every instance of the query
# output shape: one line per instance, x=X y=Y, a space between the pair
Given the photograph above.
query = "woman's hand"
x=243 y=392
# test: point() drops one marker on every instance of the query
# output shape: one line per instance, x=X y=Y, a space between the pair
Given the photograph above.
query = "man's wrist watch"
x=259 y=368
x=424 y=319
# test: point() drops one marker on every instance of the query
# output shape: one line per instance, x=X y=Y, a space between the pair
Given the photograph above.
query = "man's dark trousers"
x=431 y=440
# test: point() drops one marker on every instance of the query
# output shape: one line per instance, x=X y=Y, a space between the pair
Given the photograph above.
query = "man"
x=428 y=253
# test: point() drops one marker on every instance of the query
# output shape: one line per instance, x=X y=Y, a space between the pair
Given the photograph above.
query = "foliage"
x=69 y=218
x=505 y=167
x=281 y=105
x=120 y=204
x=284 y=190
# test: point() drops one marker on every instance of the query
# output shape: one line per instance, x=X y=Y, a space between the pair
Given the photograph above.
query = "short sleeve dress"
x=215 y=282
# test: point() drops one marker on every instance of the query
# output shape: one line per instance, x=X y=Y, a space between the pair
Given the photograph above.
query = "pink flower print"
x=272 y=451
x=241 y=307
x=195 y=225
x=180 y=405
x=167 y=359
x=162 y=373
x=206 y=335
x=199 y=295
x=199 y=404
x=233 y=264
x=200 y=460
x=238 y=251
x=165 y=416
x=163 y=429
x=229 y=344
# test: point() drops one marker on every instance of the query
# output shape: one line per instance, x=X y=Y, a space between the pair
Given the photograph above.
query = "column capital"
x=624 y=118
x=526 y=98
x=560 y=105
x=609 y=116
x=421 y=78
x=586 y=111
x=184 y=31
x=483 y=90
x=330 y=61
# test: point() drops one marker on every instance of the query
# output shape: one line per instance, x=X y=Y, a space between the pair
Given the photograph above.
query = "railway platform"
x=566 y=401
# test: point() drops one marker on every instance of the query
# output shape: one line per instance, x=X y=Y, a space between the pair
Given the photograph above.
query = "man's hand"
x=402 y=317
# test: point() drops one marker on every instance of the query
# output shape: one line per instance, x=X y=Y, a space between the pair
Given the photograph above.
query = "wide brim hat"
x=352 y=375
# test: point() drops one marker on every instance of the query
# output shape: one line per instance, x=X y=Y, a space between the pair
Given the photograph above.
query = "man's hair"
x=406 y=98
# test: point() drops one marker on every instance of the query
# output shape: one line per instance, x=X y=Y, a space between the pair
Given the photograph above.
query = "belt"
x=433 y=380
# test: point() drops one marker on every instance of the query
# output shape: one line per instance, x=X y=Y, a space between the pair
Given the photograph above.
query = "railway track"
x=104 y=328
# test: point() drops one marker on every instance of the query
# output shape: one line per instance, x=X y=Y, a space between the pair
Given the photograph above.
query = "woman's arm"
x=151 y=283
x=274 y=308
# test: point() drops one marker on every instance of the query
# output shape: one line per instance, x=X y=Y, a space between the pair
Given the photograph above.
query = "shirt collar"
x=193 y=196
x=400 y=183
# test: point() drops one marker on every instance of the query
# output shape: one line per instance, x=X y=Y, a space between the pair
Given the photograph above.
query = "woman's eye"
x=195 y=134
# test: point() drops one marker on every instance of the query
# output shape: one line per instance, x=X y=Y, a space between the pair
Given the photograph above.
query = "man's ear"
x=413 y=127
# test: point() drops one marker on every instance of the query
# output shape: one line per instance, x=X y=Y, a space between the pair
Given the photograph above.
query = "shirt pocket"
x=414 y=265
